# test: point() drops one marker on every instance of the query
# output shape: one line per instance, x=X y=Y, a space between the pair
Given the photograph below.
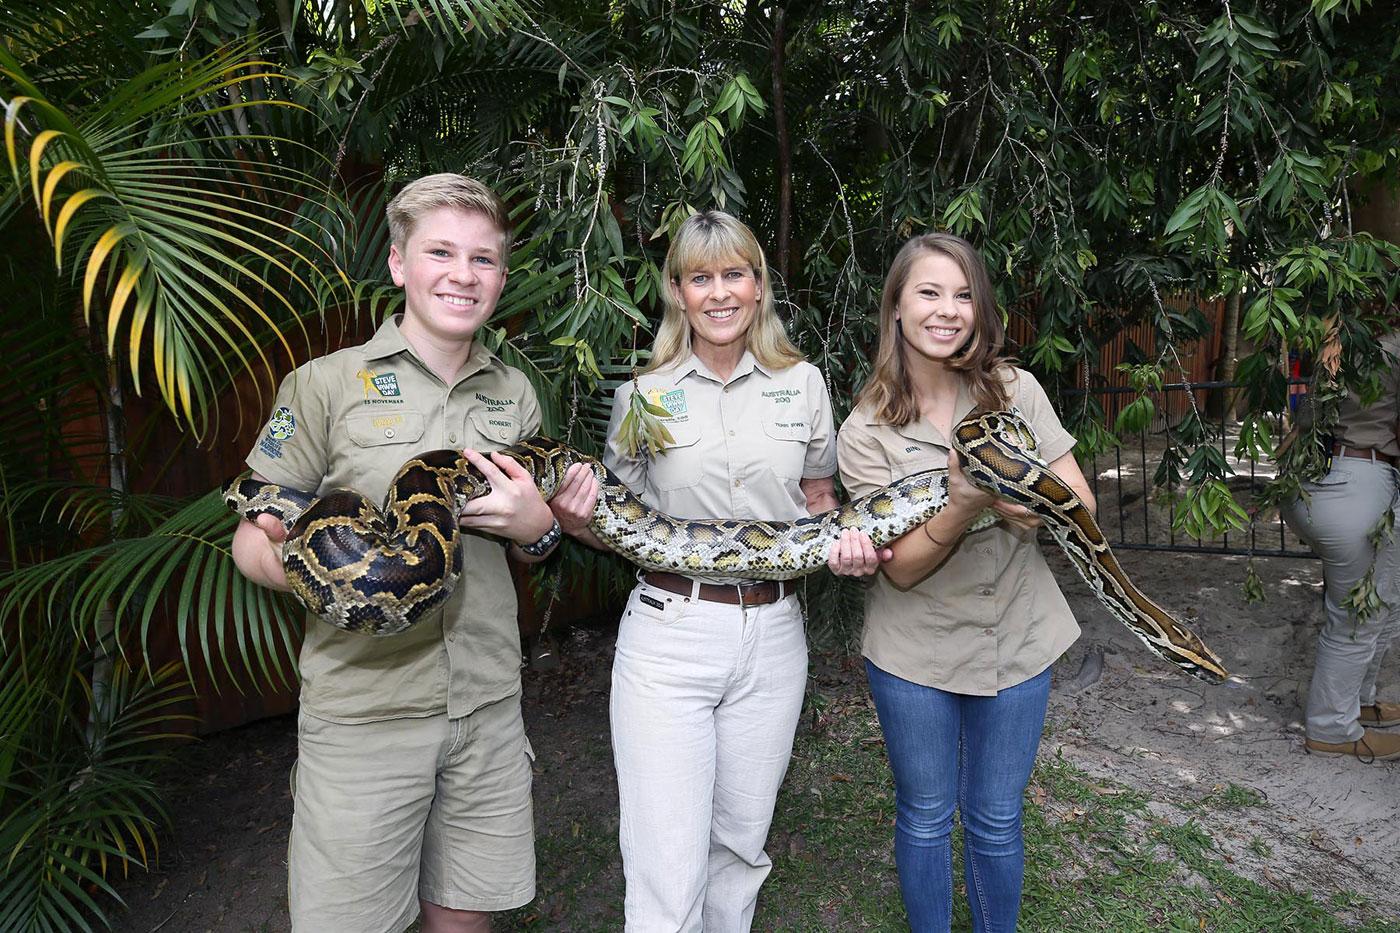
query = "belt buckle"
x=742 y=588
x=775 y=591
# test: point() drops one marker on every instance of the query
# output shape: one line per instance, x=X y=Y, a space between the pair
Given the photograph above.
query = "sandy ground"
x=1332 y=821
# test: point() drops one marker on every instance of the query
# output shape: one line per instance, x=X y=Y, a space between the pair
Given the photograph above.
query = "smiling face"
x=452 y=271
x=936 y=312
x=720 y=302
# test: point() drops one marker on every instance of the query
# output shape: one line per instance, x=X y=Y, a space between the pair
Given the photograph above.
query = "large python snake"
x=379 y=572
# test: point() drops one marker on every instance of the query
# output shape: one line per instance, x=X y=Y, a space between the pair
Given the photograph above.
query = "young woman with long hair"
x=960 y=628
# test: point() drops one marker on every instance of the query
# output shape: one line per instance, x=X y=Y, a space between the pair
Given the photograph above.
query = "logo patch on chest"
x=673 y=401
x=380 y=388
x=494 y=404
x=782 y=396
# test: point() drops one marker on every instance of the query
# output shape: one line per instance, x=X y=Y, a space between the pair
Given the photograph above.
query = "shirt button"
x=731 y=432
x=738 y=483
x=451 y=438
x=452 y=636
x=985 y=591
x=989 y=631
x=388 y=432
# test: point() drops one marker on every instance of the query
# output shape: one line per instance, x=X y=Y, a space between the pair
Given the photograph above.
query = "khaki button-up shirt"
x=350 y=420
x=741 y=446
x=1373 y=426
x=990 y=616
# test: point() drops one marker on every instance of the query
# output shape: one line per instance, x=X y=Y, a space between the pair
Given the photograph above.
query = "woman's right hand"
x=578 y=495
x=963 y=497
x=969 y=501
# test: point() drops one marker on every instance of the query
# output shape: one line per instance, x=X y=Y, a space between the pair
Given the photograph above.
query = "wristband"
x=546 y=541
x=930 y=536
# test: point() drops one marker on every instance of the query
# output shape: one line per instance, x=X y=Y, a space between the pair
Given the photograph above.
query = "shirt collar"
x=389 y=341
x=694 y=366
x=920 y=429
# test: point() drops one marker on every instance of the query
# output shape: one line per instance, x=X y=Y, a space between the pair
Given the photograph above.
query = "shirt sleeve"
x=292 y=448
x=864 y=464
x=1035 y=407
x=631 y=470
x=821 y=449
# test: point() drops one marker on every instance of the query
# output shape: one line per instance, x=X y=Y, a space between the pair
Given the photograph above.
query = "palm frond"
x=183 y=564
x=76 y=803
x=173 y=238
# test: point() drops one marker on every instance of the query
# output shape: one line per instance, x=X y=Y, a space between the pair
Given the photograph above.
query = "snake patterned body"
x=377 y=571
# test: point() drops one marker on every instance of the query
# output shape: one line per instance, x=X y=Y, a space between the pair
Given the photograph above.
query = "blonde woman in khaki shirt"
x=960 y=629
x=708 y=678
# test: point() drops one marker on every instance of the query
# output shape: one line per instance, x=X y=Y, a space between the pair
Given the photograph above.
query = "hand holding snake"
x=380 y=571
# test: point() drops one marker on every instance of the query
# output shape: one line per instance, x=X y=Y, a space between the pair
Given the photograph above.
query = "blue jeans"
x=972 y=753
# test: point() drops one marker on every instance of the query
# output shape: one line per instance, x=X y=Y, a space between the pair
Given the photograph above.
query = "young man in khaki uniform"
x=412 y=783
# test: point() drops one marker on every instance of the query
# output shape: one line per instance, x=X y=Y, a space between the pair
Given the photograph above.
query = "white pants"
x=705 y=701
x=1342 y=509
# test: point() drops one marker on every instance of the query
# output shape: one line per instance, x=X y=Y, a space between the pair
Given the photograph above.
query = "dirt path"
x=1326 y=825
x=1147 y=727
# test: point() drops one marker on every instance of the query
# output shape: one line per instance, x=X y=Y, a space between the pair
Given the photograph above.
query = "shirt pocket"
x=380 y=445
x=902 y=465
x=787 y=434
x=492 y=430
x=678 y=465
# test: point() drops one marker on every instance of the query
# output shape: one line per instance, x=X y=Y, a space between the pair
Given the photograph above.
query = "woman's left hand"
x=855 y=555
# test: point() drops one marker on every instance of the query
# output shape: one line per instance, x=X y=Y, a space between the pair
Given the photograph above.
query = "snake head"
x=1007 y=426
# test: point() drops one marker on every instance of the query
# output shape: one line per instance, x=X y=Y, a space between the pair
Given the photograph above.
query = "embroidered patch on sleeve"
x=283 y=424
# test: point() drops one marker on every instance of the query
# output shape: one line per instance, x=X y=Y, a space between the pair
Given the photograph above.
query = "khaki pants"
x=705 y=701
x=1342 y=508
x=389 y=812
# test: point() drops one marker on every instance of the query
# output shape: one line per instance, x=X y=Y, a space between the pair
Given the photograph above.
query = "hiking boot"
x=1372 y=746
x=1381 y=714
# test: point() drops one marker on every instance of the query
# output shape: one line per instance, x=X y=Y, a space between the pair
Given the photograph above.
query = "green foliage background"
x=197 y=186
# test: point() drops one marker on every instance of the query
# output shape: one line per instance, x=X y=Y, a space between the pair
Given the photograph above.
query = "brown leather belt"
x=760 y=593
x=1363 y=453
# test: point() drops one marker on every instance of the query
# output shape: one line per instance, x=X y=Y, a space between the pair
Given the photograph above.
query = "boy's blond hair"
x=446 y=189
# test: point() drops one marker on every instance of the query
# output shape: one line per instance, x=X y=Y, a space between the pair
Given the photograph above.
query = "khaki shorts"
x=389 y=812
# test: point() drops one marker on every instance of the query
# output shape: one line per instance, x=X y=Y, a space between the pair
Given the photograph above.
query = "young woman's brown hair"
x=889 y=392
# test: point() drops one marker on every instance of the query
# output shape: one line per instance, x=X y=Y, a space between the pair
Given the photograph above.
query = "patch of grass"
x=1098 y=857
x=1231 y=796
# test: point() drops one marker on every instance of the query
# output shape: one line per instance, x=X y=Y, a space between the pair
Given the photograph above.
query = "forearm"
x=587 y=536
x=921 y=551
x=820 y=494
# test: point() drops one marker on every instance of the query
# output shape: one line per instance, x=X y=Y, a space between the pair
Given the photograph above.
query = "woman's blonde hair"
x=889 y=393
x=714 y=238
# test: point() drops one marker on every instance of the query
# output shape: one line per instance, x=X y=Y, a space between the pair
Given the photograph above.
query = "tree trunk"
x=103 y=648
x=784 y=244
x=1230 y=348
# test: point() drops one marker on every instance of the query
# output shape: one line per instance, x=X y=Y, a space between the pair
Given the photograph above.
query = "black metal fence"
x=1135 y=516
